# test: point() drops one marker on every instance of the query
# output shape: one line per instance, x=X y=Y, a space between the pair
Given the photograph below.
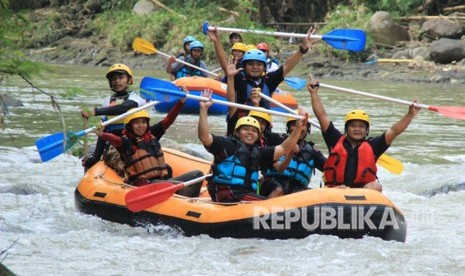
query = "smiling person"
x=352 y=156
x=237 y=159
x=141 y=151
x=120 y=78
x=254 y=74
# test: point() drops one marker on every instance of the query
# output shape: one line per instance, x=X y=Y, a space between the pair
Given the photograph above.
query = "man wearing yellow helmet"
x=294 y=171
x=237 y=159
x=352 y=158
x=267 y=137
x=120 y=78
x=140 y=150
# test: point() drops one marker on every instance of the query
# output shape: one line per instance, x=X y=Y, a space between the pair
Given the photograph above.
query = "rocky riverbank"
x=396 y=57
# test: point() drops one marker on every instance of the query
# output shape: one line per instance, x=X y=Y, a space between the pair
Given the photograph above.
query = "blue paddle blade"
x=51 y=146
x=159 y=90
x=296 y=83
x=346 y=39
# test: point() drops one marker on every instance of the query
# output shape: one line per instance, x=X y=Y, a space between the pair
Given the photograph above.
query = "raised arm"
x=317 y=105
x=281 y=166
x=288 y=145
x=399 y=127
x=231 y=72
x=219 y=49
x=203 y=131
x=292 y=61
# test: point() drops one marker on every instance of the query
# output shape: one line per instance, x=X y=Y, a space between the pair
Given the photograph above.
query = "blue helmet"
x=254 y=54
x=188 y=39
x=195 y=44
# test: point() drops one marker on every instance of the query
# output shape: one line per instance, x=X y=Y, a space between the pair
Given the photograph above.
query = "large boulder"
x=446 y=50
x=143 y=7
x=442 y=27
x=385 y=31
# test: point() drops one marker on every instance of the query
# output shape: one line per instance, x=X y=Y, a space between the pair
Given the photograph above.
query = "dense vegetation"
x=38 y=23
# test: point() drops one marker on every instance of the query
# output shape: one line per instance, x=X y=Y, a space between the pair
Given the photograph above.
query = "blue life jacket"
x=300 y=168
x=265 y=90
x=238 y=169
x=187 y=71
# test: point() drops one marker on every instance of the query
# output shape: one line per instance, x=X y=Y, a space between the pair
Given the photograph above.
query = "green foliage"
x=118 y=4
x=166 y=30
x=350 y=17
x=394 y=7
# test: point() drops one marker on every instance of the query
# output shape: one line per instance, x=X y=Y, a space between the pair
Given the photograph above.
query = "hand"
x=208 y=94
x=184 y=88
x=172 y=59
x=231 y=70
x=313 y=84
x=302 y=122
x=86 y=113
x=99 y=129
x=255 y=96
x=414 y=109
x=308 y=42
x=214 y=34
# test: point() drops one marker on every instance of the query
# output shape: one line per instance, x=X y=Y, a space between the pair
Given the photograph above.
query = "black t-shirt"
x=272 y=80
x=332 y=136
x=224 y=147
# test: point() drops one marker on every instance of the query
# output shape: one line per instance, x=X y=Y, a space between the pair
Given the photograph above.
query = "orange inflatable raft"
x=346 y=213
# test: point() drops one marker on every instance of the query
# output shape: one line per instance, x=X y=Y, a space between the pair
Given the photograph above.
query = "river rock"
x=442 y=27
x=143 y=7
x=384 y=30
x=446 y=50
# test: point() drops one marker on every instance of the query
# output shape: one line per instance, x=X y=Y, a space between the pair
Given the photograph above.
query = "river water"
x=43 y=233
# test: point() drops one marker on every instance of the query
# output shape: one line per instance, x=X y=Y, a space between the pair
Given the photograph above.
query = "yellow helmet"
x=263 y=115
x=249 y=47
x=119 y=67
x=357 y=114
x=239 y=46
x=139 y=114
x=247 y=121
x=290 y=119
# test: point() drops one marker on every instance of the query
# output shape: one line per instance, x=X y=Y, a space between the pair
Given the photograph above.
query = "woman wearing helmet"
x=194 y=57
x=140 y=150
x=237 y=159
x=352 y=158
x=294 y=170
x=120 y=78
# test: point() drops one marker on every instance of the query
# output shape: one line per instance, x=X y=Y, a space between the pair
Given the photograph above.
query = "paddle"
x=52 y=145
x=455 y=112
x=296 y=83
x=389 y=163
x=342 y=39
x=145 y=47
x=161 y=90
x=150 y=195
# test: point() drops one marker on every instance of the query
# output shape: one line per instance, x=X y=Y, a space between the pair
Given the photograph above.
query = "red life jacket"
x=334 y=167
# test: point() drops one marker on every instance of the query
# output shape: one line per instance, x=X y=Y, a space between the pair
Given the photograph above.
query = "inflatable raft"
x=196 y=85
x=346 y=213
